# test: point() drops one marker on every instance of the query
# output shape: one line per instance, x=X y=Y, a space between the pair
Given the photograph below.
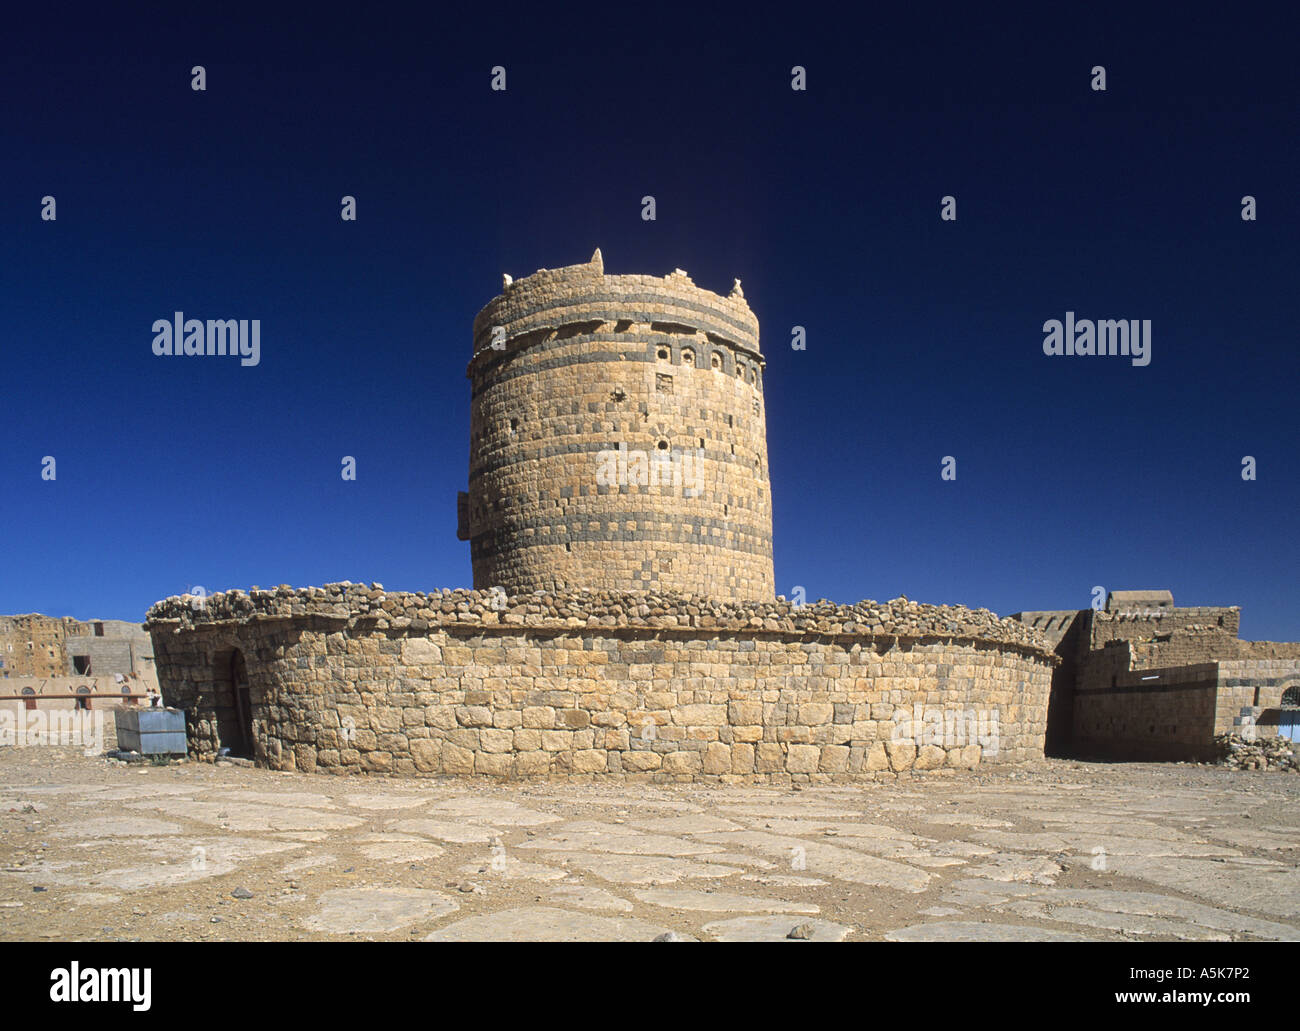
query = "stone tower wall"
x=588 y=373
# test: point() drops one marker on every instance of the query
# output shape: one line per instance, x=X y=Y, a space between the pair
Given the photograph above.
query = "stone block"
x=802 y=759
x=539 y=717
x=901 y=755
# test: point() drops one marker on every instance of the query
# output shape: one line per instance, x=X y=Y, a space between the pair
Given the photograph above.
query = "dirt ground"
x=1056 y=850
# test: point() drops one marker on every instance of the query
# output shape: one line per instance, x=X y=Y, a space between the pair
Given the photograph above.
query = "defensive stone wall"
x=1261 y=681
x=1130 y=709
x=348 y=678
x=1202 y=629
x=1148 y=713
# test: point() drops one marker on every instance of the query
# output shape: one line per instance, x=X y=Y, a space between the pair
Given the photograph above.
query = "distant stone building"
x=51 y=662
x=1145 y=679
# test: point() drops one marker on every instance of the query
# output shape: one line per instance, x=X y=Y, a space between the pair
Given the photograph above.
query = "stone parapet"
x=350 y=678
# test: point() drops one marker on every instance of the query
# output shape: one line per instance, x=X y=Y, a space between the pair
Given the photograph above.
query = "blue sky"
x=924 y=336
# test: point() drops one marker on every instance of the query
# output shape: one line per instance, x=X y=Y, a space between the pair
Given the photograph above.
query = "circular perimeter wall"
x=348 y=678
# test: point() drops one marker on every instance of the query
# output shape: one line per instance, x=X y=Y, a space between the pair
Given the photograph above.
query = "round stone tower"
x=617 y=438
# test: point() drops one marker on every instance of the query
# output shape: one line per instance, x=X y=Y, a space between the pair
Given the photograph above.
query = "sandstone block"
x=527 y=740
x=641 y=762
x=744 y=713
x=507 y=719
x=814 y=714
x=834 y=759
x=901 y=755
x=539 y=717
x=930 y=757
x=456 y=759
x=802 y=759
x=557 y=740
x=681 y=762
x=532 y=764
x=717 y=759
x=494 y=765
x=877 y=758
x=589 y=760
x=575 y=719
x=474 y=715
x=494 y=740
x=420 y=651
x=770 y=757
x=426 y=754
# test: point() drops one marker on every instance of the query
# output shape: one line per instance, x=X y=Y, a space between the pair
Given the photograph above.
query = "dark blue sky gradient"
x=925 y=337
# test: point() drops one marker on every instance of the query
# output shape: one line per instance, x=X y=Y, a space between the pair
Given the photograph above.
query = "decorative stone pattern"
x=661 y=686
x=568 y=366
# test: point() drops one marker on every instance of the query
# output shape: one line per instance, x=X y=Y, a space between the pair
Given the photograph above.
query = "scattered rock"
x=1270 y=753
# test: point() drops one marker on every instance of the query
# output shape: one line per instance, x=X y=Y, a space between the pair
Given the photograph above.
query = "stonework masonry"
x=1145 y=679
x=349 y=678
x=48 y=662
x=34 y=645
x=624 y=620
x=568 y=366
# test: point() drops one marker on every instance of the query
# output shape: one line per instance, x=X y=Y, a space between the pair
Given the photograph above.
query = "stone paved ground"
x=1050 y=851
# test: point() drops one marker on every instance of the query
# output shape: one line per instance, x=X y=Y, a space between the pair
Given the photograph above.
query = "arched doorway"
x=1288 y=719
x=243 y=706
x=29 y=699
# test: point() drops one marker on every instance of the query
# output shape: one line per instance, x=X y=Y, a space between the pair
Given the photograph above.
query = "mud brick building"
x=1145 y=679
x=53 y=663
